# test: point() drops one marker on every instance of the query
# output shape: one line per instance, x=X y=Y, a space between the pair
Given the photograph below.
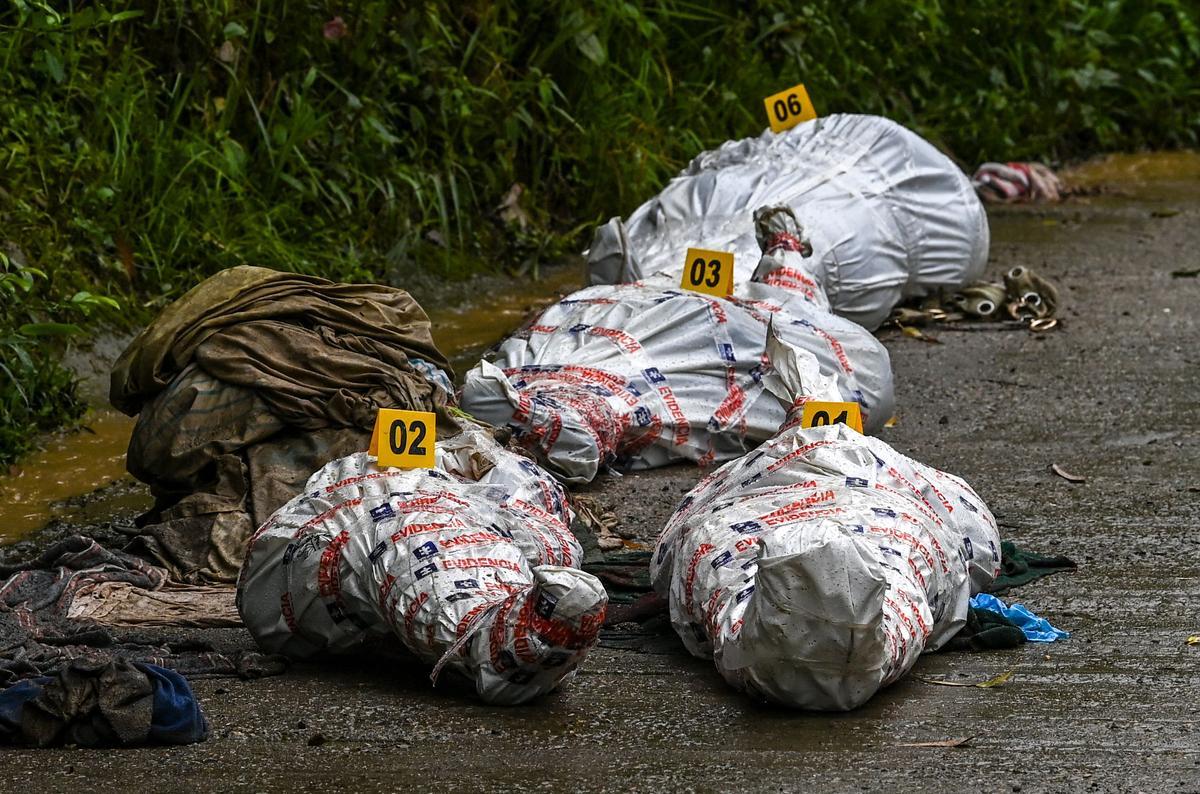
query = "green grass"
x=145 y=145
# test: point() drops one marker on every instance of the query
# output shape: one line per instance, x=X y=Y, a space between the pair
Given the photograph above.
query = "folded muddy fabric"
x=888 y=216
x=250 y=382
x=470 y=564
x=49 y=616
x=102 y=704
x=349 y=315
x=640 y=375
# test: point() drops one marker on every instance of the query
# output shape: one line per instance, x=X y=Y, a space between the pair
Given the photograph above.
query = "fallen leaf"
x=998 y=680
x=963 y=742
x=988 y=684
x=1194 y=639
x=895 y=420
x=1066 y=475
x=916 y=333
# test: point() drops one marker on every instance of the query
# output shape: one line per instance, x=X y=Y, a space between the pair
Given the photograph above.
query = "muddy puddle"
x=46 y=484
x=1150 y=177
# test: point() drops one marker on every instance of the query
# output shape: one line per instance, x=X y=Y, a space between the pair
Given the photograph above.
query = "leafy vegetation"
x=149 y=143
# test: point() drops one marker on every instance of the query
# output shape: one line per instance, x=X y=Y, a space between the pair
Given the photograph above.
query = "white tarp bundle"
x=889 y=216
x=641 y=374
x=816 y=569
x=644 y=373
x=470 y=564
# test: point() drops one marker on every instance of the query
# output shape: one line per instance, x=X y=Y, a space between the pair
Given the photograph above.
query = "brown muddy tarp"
x=248 y=384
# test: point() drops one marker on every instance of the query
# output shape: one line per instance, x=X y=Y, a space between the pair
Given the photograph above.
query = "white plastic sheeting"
x=470 y=564
x=816 y=569
x=640 y=375
x=636 y=372
x=889 y=216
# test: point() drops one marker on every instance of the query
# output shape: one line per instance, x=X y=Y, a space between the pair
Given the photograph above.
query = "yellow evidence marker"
x=818 y=413
x=710 y=272
x=404 y=439
x=788 y=108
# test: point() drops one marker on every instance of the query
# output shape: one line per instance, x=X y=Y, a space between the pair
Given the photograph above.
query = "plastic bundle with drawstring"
x=640 y=375
x=889 y=217
x=816 y=569
x=635 y=372
x=470 y=564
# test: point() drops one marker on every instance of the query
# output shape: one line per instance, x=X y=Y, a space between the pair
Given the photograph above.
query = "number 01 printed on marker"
x=818 y=414
x=710 y=272
x=788 y=108
x=404 y=439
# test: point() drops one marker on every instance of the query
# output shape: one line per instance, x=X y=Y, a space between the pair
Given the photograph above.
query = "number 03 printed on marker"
x=404 y=439
x=710 y=272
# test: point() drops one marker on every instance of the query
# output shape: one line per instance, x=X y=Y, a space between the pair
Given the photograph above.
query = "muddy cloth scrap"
x=102 y=704
x=42 y=630
x=249 y=383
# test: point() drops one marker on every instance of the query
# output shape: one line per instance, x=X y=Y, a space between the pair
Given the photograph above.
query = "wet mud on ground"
x=1112 y=396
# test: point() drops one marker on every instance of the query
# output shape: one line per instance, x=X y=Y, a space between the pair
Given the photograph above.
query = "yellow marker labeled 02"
x=710 y=272
x=818 y=414
x=788 y=108
x=404 y=439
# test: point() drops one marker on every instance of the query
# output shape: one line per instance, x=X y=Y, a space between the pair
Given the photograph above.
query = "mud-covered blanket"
x=48 y=618
x=249 y=383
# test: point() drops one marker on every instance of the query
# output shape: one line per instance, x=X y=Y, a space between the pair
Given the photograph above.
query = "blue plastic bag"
x=1036 y=629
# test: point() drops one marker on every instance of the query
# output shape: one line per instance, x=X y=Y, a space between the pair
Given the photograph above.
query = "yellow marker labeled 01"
x=710 y=272
x=788 y=108
x=818 y=414
x=404 y=439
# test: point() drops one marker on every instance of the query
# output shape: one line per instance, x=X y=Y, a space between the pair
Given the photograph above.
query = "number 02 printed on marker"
x=404 y=439
x=710 y=272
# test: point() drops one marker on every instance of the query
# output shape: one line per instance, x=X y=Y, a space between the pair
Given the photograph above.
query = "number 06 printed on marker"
x=710 y=272
x=788 y=108
x=404 y=439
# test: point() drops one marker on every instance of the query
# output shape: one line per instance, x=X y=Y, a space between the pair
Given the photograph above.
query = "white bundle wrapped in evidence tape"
x=889 y=216
x=470 y=563
x=639 y=375
x=816 y=569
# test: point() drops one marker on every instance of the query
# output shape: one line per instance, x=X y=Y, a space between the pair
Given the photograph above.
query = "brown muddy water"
x=45 y=484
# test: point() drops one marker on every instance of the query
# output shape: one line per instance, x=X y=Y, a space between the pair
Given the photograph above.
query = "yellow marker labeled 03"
x=788 y=108
x=404 y=439
x=710 y=272
x=818 y=414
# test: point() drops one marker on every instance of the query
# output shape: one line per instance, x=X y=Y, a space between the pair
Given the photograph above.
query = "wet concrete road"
x=1112 y=397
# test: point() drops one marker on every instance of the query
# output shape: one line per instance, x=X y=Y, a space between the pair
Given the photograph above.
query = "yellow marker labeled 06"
x=710 y=272
x=818 y=414
x=788 y=108
x=404 y=439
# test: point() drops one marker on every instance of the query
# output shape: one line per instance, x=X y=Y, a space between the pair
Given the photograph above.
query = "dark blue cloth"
x=176 y=717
